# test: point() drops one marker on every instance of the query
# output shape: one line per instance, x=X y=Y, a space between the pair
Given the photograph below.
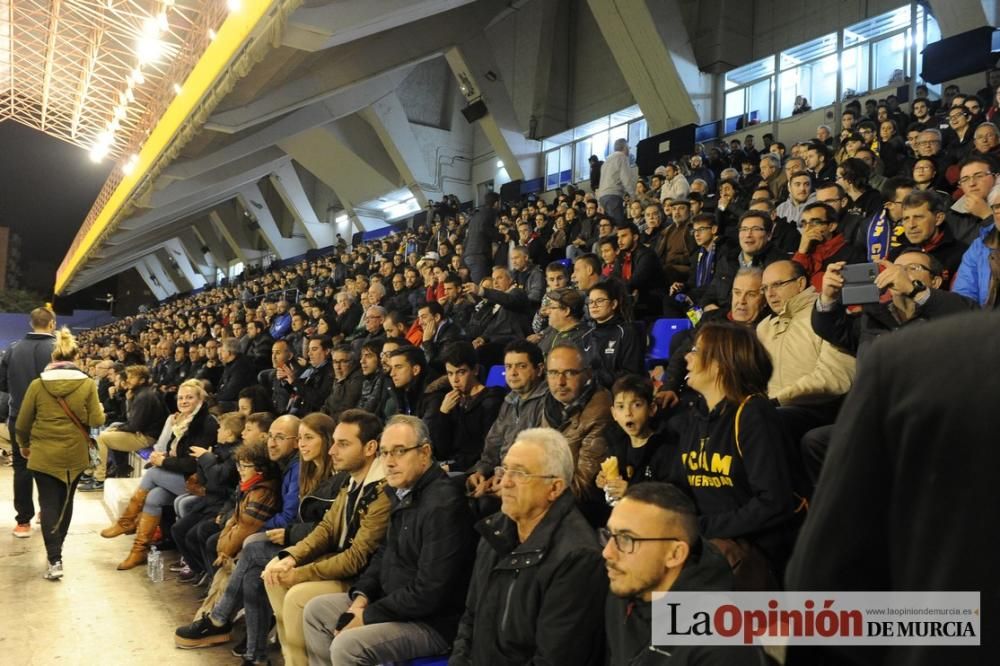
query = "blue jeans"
x=246 y=589
x=614 y=207
x=163 y=487
x=479 y=266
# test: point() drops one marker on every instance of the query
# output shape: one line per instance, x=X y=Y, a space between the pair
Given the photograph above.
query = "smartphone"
x=859 y=284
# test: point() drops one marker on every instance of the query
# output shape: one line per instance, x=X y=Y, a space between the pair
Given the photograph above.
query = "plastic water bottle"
x=154 y=566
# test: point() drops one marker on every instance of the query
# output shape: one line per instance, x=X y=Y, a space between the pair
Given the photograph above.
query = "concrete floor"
x=96 y=614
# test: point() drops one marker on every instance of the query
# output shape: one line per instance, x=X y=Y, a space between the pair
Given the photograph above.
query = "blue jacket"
x=973 y=277
x=289 y=497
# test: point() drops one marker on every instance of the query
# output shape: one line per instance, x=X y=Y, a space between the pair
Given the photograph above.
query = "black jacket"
x=657 y=460
x=313 y=507
x=146 y=413
x=647 y=283
x=537 y=602
x=421 y=571
x=720 y=291
x=259 y=350
x=309 y=393
x=481 y=233
x=899 y=449
x=742 y=489
x=344 y=394
x=628 y=621
x=615 y=347
x=236 y=376
x=377 y=395
x=943 y=246
x=21 y=365
x=447 y=332
x=459 y=435
x=202 y=431
x=854 y=334
x=495 y=323
x=217 y=473
x=418 y=398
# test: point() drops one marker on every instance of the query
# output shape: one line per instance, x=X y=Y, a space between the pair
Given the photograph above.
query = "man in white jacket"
x=618 y=178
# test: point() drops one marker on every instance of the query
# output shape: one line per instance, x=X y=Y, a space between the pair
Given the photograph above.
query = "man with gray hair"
x=238 y=373
x=409 y=599
x=541 y=541
x=617 y=179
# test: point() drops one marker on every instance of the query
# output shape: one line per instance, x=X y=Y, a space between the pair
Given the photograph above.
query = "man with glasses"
x=347 y=380
x=884 y=231
x=822 y=243
x=580 y=409
x=310 y=387
x=924 y=226
x=566 y=323
x=652 y=545
x=971 y=214
x=524 y=367
x=538 y=585
x=409 y=599
x=283 y=450
x=987 y=140
x=755 y=250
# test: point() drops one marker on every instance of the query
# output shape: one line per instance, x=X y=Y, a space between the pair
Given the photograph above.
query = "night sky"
x=47 y=186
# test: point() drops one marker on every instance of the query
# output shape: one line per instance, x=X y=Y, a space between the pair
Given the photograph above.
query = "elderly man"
x=652 y=545
x=580 y=409
x=347 y=380
x=409 y=599
x=541 y=542
x=971 y=214
x=617 y=179
x=374 y=319
x=238 y=372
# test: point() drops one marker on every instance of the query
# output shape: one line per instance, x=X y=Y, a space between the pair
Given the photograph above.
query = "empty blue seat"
x=497 y=376
x=661 y=334
x=568 y=263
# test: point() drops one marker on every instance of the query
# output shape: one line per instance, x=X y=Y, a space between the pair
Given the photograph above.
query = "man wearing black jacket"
x=237 y=374
x=312 y=385
x=538 y=585
x=260 y=341
x=438 y=331
x=755 y=249
x=641 y=271
x=22 y=363
x=409 y=599
x=347 y=378
x=480 y=235
x=409 y=373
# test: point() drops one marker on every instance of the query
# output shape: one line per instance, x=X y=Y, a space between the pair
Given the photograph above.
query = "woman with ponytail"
x=53 y=432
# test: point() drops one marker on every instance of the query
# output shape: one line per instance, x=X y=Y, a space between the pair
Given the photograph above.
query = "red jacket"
x=827 y=252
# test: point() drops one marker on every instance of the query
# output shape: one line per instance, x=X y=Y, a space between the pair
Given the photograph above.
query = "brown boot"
x=126 y=523
x=143 y=535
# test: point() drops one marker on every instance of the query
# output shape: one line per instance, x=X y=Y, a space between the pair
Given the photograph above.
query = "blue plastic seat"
x=497 y=376
x=661 y=334
x=568 y=263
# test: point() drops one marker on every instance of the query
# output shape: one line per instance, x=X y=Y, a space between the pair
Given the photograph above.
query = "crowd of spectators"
x=492 y=367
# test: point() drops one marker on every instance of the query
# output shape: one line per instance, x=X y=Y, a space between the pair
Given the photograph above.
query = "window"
x=567 y=154
x=890 y=60
x=854 y=70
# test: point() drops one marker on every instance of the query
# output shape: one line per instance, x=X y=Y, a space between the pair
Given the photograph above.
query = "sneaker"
x=240 y=649
x=22 y=531
x=203 y=580
x=179 y=566
x=55 y=571
x=201 y=633
x=188 y=575
x=91 y=485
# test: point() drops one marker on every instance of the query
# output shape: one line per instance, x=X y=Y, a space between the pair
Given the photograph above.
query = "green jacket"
x=57 y=447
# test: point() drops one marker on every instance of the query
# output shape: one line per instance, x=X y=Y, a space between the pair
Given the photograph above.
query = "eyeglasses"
x=916 y=268
x=774 y=285
x=815 y=222
x=246 y=465
x=699 y=230
x=995 y=208
x=598 y=301
x=625 y=543
x=518 y=476
x=752 y=230
x=563 y=374
x=279 y=437
x=397 y=452
x=965 y=180
x=926 y=142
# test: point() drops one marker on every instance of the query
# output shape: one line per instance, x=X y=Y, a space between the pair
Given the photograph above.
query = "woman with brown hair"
x=52 y=434
x=245 y=588
x=734 y=454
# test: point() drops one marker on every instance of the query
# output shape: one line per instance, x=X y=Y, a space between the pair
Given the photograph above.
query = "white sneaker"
x=55 y=571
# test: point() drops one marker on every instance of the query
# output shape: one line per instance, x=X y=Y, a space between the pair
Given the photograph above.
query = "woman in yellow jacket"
x=57 y=409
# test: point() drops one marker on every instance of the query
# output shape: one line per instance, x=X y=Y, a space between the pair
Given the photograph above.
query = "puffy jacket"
x=516 y=414
x=289 y=499
x=807 y=368
x=460 y=434
x=421 y=572
x=377 y=396
x=973 y=279
x=341 y=546
x=22 y=364
x=582 y=422
x=58 y=447
x=146 y=413
x=311 y=388
x=537 y=602
x=202 y=431
x=253 y=507
x=344 y=394
x=236 y=376
x=217 y=473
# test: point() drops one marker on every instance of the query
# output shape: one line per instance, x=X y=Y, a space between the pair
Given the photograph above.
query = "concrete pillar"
x=155 y=286
x=200 y=260
x=178 y=251
x=288 y=185
x=158 y=273
x=388 y=118
x=253 y=201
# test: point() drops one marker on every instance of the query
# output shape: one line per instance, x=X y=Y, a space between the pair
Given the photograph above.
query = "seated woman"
x=246 y=588
x=735 y=455
x=191 y=425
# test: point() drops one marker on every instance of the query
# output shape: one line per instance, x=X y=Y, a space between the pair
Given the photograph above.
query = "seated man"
x=409 y=373
x=376 y=385
x=565 y=315
x=524 y=367
x=238 y=372
x=553 y=612
x=464 y=415
x=651 y=545
x=822 y=243
x=347 y=378
x=310 y=386
x=501 y=316
x=755 y=250
x=437 y=331
x=409 y=599
x=925 y=227
x=580 y=409
x=641 y=271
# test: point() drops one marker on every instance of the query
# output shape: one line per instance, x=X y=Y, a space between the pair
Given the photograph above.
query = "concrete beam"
x=219 y=249
x=254 y=203
x=176 y=249
x=154 y=285
x=200 y=260
x=232 y=226
x=288 y=185
x=957 y=16
x=655 y=55
x=156 y=269
x=388 y=118
x=178 y=276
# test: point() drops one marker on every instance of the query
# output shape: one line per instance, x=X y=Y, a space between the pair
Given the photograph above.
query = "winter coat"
x=807 y=369
x=421 y=571
x=146 y=413
x=537 y=602
x=339 y=547
x=202 y=431
x=217 y=474
x=579 y=335
x=310 y=388
x=253 y=508
x=459 y=435
x=674 y=245
x=344 y=394
x=627 y=621
x=481 y=233
x=288 y=504
x=727 y=264
x=615 y=347
x=496 y=323
x=22 y=364
x=516 y=414
x=646 y=284
x=58 y=447
x=943 y=246
x=973 y=278
x=236 y=376
x=447 y=332
x=582 y=423
x=377 y=396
